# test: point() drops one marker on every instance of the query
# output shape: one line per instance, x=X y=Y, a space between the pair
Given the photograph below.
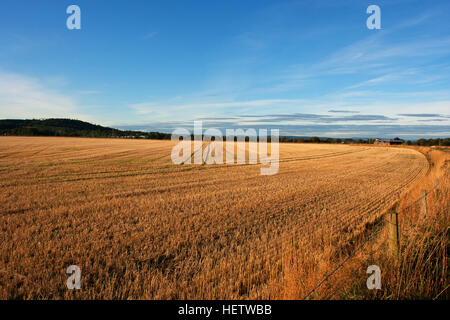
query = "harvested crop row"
x=141 y=227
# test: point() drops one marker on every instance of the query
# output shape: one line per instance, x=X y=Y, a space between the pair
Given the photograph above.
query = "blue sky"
x=305 y=67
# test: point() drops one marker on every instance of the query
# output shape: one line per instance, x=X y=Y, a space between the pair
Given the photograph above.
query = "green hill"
x=69 y=128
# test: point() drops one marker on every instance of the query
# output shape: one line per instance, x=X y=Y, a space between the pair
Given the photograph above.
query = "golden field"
x=141 y=227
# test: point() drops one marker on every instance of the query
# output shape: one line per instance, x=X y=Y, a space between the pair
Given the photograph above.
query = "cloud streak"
x=423 y=115
x=329 y=130
x=27 y=97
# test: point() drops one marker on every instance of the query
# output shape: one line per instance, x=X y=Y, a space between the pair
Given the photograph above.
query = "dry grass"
x=420 y=272
x=140 y=227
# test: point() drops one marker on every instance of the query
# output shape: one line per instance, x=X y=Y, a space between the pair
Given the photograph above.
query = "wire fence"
x=421 y=200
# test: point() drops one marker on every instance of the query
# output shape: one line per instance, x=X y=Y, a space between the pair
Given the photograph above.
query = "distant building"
x=380 y=142
x=391 y=142
x=396 y=141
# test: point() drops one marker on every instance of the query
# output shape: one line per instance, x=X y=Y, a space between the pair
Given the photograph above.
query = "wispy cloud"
x=322 y=130
x=87 y=92
x=380 y=55
x=423 y=115
x=342 y=111
x=27 y=97
x=367 y=67
x=317 y=118
x=155 y=107
x=151 y=35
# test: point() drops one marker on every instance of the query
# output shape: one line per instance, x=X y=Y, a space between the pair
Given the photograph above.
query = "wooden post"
x=423 y=203
x=436 y=186
x=394 y=242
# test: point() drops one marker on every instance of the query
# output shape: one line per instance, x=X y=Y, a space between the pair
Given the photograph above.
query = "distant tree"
x=349 y=141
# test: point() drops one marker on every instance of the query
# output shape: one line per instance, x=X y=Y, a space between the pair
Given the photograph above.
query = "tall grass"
x=338 y=270
x=422 y=270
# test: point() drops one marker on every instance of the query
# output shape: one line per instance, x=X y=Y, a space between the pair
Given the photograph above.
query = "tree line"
x=70 y=128
x=77 y=128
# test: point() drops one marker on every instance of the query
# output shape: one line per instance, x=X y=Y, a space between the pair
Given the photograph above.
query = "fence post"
x=423 y=203
x=394 y=242
x=436 y=186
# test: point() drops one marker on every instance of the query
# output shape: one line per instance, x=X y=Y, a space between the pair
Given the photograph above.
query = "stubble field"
x=139 y=226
